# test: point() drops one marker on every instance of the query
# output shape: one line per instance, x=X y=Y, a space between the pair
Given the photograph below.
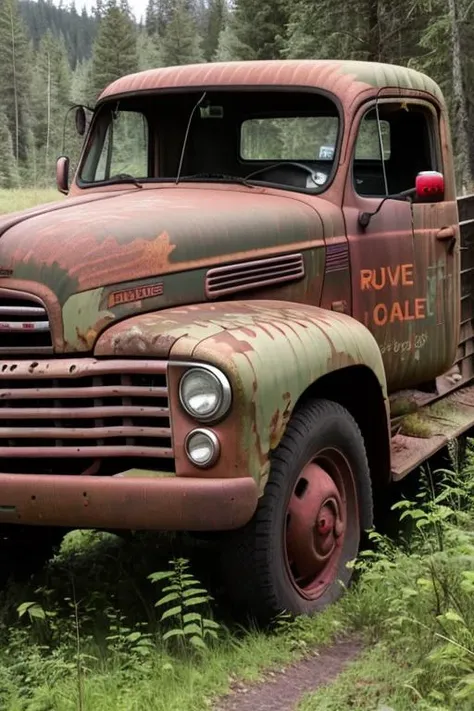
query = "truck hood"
x=129 y=237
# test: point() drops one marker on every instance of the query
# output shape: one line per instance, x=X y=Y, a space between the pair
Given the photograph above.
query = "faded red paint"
x=169 y=504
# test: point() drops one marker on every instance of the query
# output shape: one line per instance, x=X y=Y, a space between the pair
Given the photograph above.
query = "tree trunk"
x=48 y=118
x=15 y=88
x=460 y=111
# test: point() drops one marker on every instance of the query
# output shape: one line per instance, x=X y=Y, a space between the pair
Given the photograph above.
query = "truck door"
x=404 y=262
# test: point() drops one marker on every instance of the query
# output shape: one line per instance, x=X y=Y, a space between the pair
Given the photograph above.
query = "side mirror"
x=62 y=174
x=429 y=186
x=81 y=120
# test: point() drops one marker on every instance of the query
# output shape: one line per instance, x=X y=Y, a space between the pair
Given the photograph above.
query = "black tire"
x=321 y=439
x=24 y=550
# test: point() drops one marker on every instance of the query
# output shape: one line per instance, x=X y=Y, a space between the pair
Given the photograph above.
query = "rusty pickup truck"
x=261 y=274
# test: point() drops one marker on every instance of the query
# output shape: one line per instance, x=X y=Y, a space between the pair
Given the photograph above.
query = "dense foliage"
x=52 y=55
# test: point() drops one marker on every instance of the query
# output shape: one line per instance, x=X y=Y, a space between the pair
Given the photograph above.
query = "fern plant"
x=184 y=603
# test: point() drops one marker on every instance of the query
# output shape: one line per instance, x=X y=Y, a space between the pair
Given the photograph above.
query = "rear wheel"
x=293 y=555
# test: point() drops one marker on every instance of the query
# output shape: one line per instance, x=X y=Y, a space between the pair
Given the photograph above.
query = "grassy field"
x=13 y=200
x=100 y=630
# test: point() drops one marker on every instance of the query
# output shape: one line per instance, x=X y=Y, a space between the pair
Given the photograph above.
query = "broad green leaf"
x=37 y=612
x=172 y=633
x=198 y=642
x=453 y=616
x=196 y=601
x=191 y=617
x=171 y=612
x=155 y=577
x=134 y=636
x=192 y=628
x=210 y=624
x=194 y=591
x=171 y=588
x=167 y=598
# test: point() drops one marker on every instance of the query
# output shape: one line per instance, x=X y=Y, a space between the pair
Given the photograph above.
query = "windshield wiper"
x=218 y=176
x=123 y=178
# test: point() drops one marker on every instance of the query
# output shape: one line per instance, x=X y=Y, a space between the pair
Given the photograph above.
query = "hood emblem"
x=4 y=272
x=127 y=296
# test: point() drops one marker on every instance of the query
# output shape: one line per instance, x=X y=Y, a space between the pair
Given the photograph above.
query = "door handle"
x=447 y=234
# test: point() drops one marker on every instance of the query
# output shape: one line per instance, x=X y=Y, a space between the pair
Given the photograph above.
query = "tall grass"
x=21 y=199
x=415 y=604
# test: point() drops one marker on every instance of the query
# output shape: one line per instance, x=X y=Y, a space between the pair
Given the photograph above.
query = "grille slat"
x=82 y=432
x=87 y=451
x=82 y=413
x=24 y=324
x=79 y=393
x=103 y=414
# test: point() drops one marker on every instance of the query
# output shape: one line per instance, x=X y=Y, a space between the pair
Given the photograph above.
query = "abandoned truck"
x=257 y=276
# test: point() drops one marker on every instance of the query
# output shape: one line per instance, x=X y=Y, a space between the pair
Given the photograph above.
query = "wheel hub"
x=315 y=530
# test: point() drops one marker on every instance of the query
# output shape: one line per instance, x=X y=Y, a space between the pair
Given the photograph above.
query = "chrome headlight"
x=202 y=448
x=205 y=393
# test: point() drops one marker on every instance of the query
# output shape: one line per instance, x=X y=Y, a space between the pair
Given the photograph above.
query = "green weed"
x=415 y=603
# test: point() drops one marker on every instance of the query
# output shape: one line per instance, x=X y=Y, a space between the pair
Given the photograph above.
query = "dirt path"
x=283 y=690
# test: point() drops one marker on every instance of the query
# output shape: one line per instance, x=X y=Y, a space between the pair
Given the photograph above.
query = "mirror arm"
x=365 y=217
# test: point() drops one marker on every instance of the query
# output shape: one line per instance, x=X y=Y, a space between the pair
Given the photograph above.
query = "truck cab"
x=253 y=284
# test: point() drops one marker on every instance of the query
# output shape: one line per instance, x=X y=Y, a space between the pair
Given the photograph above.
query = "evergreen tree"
x=115 y=49
x=15 y=76
x=158 y=16
x=8 y=166
x=256 y=30
x=181 y=43
x=216 y=17
x=148 y=53
x=51 y=91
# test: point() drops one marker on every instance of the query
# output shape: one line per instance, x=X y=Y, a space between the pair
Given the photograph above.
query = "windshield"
x=279 y=137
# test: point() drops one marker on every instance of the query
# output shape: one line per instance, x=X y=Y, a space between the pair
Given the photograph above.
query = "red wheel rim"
x=321 y=509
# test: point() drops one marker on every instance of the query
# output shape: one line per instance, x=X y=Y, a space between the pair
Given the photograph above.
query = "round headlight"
x=202 y=448
x=205 y=394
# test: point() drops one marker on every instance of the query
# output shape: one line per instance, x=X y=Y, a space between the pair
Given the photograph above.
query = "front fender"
x=272 y=351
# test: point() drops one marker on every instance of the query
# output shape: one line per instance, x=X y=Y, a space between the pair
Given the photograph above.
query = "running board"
x=423 y=434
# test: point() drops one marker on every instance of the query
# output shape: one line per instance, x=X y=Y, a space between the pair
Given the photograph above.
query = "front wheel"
x=293 y=555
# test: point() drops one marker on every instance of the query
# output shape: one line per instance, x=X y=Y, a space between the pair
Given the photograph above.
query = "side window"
x=125 y=147
x=406 y=132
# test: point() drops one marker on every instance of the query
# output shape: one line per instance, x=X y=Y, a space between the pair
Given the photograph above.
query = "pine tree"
x=8 y=167
x=115 y=49
x=216 y=17
x=256 y=30
x=51 y=91
x=15 y=76
x=158 y=16
x=148 y=53
x=181 y=43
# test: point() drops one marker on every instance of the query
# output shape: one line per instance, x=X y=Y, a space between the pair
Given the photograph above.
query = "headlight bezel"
x=215 y=443
x=225 y=400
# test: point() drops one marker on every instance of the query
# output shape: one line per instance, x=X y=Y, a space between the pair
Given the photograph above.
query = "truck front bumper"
x=155 y=504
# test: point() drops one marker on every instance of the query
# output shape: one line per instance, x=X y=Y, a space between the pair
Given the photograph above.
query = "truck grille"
x=96 y=417
x=24 y=324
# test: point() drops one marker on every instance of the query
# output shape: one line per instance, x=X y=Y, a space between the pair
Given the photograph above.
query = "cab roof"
x=345 y=79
